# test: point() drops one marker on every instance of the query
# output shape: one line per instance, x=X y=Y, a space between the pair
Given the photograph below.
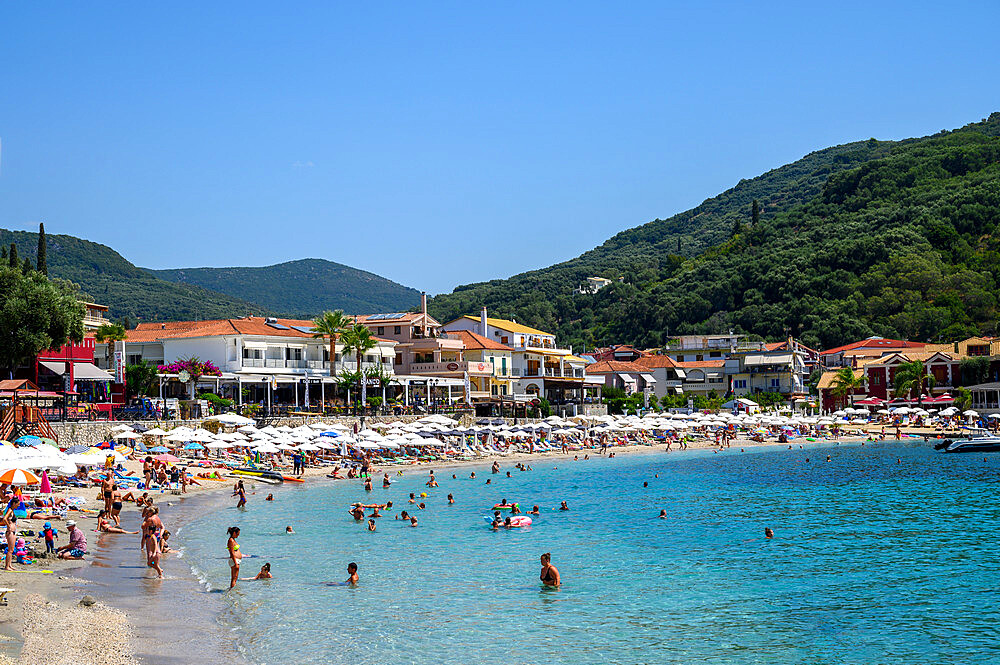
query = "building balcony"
x=275 y=363
x=473 y=367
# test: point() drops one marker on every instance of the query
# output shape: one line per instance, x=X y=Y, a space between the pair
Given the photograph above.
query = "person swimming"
x=288 y=529
x=549 y=575
x=264 y=574
x=352 y=574
x=533 y=511
x=663 y=513
x=357 y=512
x=412 y=498
x=371 y=525
x=451 y=499
x=768 y=533
x=270 y=497
x=563 y=506
x=413 y=521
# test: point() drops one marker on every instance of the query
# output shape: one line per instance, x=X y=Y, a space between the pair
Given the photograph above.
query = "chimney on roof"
x=423 y=309
x=484 y=328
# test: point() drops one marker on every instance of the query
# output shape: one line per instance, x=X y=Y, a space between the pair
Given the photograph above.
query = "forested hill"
x=891 y=238
x=304 y=288
x=107 y=278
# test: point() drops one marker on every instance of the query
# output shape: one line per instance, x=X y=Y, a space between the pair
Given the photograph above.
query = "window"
x=739 y=384
x=503 y=366
x=380 y=330
x=876 y=379
x=133 y=359
x=715 y=354
x=503 y=340
x=396 y=330
x=775 y=383
x=399 y=357
x=700 y=357
x=369 y=359
x=680 y=359
x=293 y=354
x=253 y=354
x=326 y=355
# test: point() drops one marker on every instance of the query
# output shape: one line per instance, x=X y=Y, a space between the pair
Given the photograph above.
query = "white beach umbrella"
x=219 y=445
x=129 y=434
x=121 y=428
x=970 y=412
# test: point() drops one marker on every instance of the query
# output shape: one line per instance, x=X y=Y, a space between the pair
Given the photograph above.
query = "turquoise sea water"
x=873 y=561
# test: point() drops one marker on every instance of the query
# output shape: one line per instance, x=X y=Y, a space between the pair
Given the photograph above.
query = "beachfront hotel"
x=540 y=368
x=275 y=360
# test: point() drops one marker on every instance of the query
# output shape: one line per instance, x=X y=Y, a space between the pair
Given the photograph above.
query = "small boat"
x=260 y=474
x=292 y=479
x=978 y=444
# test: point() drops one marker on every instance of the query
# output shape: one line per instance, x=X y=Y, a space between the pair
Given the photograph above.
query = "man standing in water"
x=549 y=575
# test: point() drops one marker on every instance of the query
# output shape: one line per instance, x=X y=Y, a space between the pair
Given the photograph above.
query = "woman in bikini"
x=235 y=556
x=152 y=527
x=104 y=524
x=549 y=575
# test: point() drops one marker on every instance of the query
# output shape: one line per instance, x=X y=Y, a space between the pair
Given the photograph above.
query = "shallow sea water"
x=883 y=554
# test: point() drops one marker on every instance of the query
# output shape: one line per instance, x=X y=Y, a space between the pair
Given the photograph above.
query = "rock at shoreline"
x=87 y=601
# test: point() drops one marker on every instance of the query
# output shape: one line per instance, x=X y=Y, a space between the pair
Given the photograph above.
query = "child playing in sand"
x=50 y=535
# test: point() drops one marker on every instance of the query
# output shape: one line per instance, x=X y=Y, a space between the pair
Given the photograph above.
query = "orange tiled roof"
x=654 y=361
x=474 y=341
x=697 y=364
x=876 y=343
x=612 y=366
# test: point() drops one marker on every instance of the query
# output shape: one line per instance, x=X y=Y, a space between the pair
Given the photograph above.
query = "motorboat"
x=983 y=442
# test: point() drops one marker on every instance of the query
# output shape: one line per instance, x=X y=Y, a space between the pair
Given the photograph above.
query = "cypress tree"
x=3 y=252
x=678 y=245
x=754 y=213
x=12 y=259
x=40 y=258
x=26 y=266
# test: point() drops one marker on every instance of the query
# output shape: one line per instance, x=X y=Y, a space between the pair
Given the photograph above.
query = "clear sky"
x=439 y=143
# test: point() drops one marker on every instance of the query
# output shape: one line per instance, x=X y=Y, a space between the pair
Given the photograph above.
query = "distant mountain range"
x=300 y=289
x=303 y=288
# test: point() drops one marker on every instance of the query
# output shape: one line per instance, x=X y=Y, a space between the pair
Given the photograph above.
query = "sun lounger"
x=3 y=595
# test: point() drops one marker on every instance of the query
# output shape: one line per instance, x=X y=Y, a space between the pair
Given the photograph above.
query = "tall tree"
x=3 y=252
x=911 y=379
x=359 y=339
x=844 y=383
x=40 y=259
x=754 y=213
x=35 y=314
x=12 y=259
x=332 y=325
x=26 y=266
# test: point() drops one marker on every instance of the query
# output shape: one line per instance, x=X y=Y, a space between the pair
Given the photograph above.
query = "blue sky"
x=445 y=143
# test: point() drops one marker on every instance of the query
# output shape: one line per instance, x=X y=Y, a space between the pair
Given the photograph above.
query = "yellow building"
x=481 y=350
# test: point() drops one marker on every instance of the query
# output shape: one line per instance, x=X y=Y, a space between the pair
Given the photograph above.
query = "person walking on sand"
x=9 y=522
x=549 y=575
x=235 y=556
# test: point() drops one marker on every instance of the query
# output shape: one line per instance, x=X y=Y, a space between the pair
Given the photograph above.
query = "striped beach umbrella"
x=18 y=477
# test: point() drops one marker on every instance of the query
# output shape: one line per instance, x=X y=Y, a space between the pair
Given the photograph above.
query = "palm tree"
x=359 y=339
x=845 y=382
x=332 y=325
x=911 y=378
x=110 y=333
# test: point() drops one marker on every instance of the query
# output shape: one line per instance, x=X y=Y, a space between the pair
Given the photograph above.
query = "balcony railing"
x=451 y=366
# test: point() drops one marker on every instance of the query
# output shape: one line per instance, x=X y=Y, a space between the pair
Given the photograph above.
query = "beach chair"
x=3 y=595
